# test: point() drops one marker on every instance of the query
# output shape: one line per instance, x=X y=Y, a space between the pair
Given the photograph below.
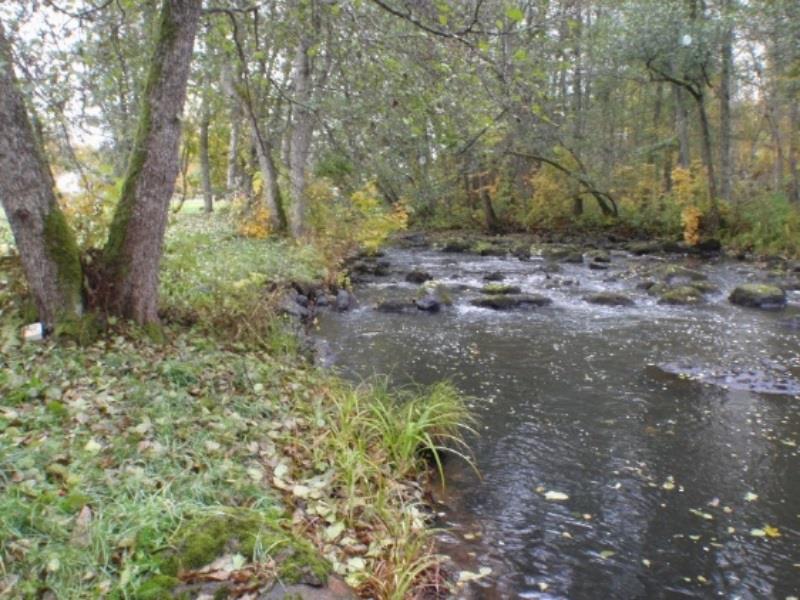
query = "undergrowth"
x=112 y=451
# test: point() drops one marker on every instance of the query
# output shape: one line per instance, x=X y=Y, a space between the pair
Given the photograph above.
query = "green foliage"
x=162 y=457
x=764 y=225
x=343 y=224
x=228 y=286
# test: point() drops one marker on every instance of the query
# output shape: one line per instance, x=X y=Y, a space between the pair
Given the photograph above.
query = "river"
x=642 y=451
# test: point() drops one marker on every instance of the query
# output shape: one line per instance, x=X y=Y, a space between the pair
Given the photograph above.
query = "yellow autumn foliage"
x=343 y=223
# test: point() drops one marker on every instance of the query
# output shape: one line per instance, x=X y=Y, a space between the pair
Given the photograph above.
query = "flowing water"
x=673 y=432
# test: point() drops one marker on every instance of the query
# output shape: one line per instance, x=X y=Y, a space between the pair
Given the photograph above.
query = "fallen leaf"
x=554 y=496
x=750 y=497
x=92 y=446
x=467 y=576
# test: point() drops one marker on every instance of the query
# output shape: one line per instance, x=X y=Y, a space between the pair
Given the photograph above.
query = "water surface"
x=673 y=431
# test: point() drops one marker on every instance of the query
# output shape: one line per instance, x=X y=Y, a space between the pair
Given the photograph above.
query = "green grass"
x=115 y=455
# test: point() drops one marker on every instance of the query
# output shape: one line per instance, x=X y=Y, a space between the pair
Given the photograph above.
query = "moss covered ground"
x=136 y=469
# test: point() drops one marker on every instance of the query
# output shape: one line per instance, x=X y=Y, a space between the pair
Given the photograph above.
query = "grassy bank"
x=217 y=461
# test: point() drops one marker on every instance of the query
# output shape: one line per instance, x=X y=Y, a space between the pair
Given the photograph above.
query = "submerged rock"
x=677 y=274
x=394 y=306
x=344 y=300
x=609 y=299
x=429 y=303
x=598 y=256
x=598 y=266
x=758 y=295
x=509 y=301
x=418 y=277
x=495 y=276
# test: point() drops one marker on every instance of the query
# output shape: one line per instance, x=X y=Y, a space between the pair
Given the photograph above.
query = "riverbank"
x=213 y=458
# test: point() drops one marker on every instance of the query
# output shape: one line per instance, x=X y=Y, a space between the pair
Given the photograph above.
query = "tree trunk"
x=132 y=254
x=46 y=245
x=492 y=224
x=794 y=132
x=302 y=132
x=232 y=177
x=726 y=76
x=708 y=161
x=205 y=162
x=682 y=125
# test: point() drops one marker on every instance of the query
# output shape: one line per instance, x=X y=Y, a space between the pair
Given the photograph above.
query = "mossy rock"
x=758 y=295
x=205 y=538
x=489 y=249
x=609 y=299
x=456 y=245
x=684 y=295
x=677 y=273
x=510 y=301
x=500 y=288
x=640 y=248
x=704 y=287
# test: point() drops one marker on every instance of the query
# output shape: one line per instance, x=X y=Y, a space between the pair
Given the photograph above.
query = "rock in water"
x=609 y=299
x=394 y=306
x=684 y=295
x=495 y=276
x=429 y=303
x=758 y=295
x=509 y=301
x=344 y=300
x=418 y=277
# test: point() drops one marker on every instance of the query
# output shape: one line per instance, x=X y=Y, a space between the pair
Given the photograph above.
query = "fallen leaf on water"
x=554 y=496
x=543 y=586
x=771 y=531
x=701 y=514
x=646 y=562
x=606 y=554
x=467 y=576
x=750 y=497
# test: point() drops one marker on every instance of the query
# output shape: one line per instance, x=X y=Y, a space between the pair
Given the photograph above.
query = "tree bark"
x=302 y=132
x=726 y=76
x=46 y=244
x=132 y=254
x=205 y=162
x=232 y=177
x=682 y=124
x=708 y=160
x=794 y=133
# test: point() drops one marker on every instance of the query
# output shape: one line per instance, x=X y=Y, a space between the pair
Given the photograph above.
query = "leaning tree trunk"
x=133 y=251
x=45 y=242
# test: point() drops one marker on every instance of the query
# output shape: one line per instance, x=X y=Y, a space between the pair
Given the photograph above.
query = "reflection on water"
x=674 y=479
